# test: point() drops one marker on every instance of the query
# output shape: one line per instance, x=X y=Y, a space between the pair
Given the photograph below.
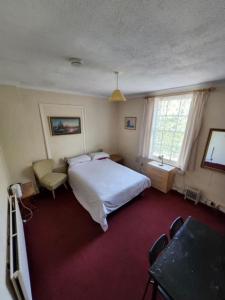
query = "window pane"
x=167 y=138
x=169 y=125
x=157 y=137
x=184 y=110
x=163 y=108
x=161 y=123
x=181 y=123
x=178 y=138
x=156 y=149
x=175 y=156
x=173 y=107
x=166 y=151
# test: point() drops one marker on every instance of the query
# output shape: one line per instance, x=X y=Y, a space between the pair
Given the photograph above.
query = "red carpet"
x=71 y=258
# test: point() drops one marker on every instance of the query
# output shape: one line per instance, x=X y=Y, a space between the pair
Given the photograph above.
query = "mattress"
x=102 y=186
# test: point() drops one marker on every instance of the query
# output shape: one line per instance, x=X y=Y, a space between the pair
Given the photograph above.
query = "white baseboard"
x=204 y=200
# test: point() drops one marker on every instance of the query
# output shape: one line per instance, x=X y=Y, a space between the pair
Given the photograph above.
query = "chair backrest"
x=42 y=167
x=175 y=226
x=159 y=245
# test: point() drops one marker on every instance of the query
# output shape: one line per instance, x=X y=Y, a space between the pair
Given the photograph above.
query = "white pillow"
x=99 y=155
x=78 y=159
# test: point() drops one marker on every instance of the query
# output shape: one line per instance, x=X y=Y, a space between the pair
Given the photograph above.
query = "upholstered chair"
x=43 y=170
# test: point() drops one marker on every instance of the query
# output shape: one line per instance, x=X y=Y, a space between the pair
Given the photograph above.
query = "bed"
x=102 y=186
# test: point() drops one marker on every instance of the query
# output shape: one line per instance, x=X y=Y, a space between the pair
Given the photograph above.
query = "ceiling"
x=156 y=44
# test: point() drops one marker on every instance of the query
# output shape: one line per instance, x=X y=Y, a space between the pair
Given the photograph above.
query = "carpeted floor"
x=71 y=258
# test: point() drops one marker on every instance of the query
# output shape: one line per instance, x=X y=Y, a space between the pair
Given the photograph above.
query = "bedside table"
x=162 y=177
x=117 y=158
x=28 y=190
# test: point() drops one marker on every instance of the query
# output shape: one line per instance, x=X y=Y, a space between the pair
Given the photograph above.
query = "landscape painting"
x=65 y=125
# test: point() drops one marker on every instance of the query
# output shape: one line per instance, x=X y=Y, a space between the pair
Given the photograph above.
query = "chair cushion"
x=52 y=180
x=42 y=167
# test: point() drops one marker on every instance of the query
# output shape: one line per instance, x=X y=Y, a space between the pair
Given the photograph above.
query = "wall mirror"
x=214 y=156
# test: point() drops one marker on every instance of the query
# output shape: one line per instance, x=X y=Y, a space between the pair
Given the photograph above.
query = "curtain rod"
x=211 y=89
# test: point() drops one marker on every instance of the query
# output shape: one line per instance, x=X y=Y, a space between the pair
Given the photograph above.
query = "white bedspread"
x=102 y=186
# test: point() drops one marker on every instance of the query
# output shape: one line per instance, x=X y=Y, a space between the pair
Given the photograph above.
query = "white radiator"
x=19 y=272
x=192 y=194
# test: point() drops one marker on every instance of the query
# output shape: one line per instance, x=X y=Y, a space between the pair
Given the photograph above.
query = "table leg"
x=154 y=290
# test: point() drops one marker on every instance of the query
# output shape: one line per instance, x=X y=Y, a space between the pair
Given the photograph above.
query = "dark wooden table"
x=192 y=267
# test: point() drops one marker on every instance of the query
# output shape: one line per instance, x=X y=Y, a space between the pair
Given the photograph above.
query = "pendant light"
x=117 y=95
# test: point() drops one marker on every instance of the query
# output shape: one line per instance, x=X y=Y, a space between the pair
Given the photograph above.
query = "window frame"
x=155 y=110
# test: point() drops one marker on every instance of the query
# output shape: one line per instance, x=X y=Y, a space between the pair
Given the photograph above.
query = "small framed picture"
x=65 y=125
x=130 y=123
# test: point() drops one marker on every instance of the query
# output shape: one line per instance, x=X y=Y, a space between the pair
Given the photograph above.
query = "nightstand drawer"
x=162 y=186
x=161 y=177
x=157 y=174
x=159 y=180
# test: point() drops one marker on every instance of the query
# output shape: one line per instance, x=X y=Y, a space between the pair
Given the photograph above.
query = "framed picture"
x=130 y=123
x=65 y=125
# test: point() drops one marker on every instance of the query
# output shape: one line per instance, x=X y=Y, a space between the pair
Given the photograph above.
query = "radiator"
x=19 y=271
x=192 y=194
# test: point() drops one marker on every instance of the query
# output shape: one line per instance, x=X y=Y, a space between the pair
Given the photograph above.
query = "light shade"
x=117 y=95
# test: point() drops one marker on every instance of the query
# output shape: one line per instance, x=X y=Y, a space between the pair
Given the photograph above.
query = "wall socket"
x=210 y=203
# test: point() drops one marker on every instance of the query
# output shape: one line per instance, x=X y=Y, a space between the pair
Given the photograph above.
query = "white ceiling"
x=157 y=44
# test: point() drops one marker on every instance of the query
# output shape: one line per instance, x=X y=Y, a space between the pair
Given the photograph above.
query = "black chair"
x=159 y=245
x=175 y=226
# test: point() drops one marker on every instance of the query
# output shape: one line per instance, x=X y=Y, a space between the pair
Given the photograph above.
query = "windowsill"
x=172 y=164
x=165 y=167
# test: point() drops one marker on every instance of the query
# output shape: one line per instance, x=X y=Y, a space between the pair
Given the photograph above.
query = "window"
x=169 y=125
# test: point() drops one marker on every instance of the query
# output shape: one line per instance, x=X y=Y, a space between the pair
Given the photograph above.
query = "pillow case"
x=99 y=155
x=78 y=159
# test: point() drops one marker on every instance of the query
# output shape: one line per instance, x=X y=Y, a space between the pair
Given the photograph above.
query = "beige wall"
x=64 y=145
x=211 y=183
x=128 y=140
x=22 y=140
x=4 y=182
x=22 y=133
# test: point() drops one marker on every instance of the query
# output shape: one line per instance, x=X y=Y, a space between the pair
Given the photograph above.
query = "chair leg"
x=154 y=290
x=65 y=186
x=53 y=194
x=146 y=289
x=163 y=293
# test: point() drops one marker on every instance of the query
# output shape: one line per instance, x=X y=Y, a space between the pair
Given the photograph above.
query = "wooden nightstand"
x=117 y=158
x=28 y=190
x=162 y=177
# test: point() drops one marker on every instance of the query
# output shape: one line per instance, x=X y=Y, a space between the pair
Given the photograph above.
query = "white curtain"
x=187 y=156
x=145 y=132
